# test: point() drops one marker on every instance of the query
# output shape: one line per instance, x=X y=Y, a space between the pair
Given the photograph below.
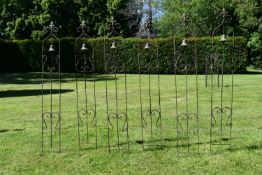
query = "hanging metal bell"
x=83 y=48
x=51 y=48
x=184 y=43
x=147 y=46
x=113 y=45
x=223 y=38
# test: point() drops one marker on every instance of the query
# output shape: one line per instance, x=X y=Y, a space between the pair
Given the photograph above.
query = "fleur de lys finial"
x=51 y=25
x=83 y=24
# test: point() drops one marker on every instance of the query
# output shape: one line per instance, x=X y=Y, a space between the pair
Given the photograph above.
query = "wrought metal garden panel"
x=85 y=88
x=51 y=91
x=186 y=90
x=221 y=85
x=116 y=94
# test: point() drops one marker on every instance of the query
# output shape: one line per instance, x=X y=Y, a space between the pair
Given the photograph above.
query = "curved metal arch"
x=113 y=26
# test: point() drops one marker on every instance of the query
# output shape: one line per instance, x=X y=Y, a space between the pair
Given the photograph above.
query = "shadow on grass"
x=8 y=130
x=151 y=145
x=36 y=78
x=249 y=148
x=252 y=72
x=26 y=93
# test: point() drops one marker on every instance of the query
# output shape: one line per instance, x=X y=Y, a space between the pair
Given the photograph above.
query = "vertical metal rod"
x=221 y=95
x=42 y=100
x=51 y=105
x=86 y=110
x=218 y=76
x=159 y=96
x=60 y=100
x=141 y=103
x=116 y=99
x=175 y=77
x=78 y=119
x=211 y=94
x=232 y=89
x=187 y=112
x=206 y=73
x=197 y=98
x=149 y=94
x=107 y=108
x=127 y=131
x=94 y=83
x=222 y=91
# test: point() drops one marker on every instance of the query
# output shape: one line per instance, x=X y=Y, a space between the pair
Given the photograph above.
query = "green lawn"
x=20 y=129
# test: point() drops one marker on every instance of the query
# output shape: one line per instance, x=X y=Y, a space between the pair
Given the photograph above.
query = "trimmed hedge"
x=25 y=55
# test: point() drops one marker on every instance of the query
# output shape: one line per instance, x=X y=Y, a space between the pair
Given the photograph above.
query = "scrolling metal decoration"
x=86 y=102
x=151 y=119
x=117 y=115
x=51 y=108
x=187 y=122
x=222 y=115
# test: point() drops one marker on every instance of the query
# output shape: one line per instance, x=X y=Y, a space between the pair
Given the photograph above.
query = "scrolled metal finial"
x=184 y=19
x=51 y=26
x=83 y=28
x=224 y=12
x=53 y=29
x=83 y=24
x=113 y=26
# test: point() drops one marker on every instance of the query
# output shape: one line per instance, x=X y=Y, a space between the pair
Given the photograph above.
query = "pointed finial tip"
x=51 y=24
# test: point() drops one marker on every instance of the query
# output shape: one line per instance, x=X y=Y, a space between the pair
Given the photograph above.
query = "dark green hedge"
x=25 y=55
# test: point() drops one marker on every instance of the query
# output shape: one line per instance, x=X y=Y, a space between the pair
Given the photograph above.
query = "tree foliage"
x=250 y=19
x=28 y=18
x=244 y=18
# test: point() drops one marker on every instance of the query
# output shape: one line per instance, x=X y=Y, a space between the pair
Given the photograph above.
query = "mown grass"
x=20 y=129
